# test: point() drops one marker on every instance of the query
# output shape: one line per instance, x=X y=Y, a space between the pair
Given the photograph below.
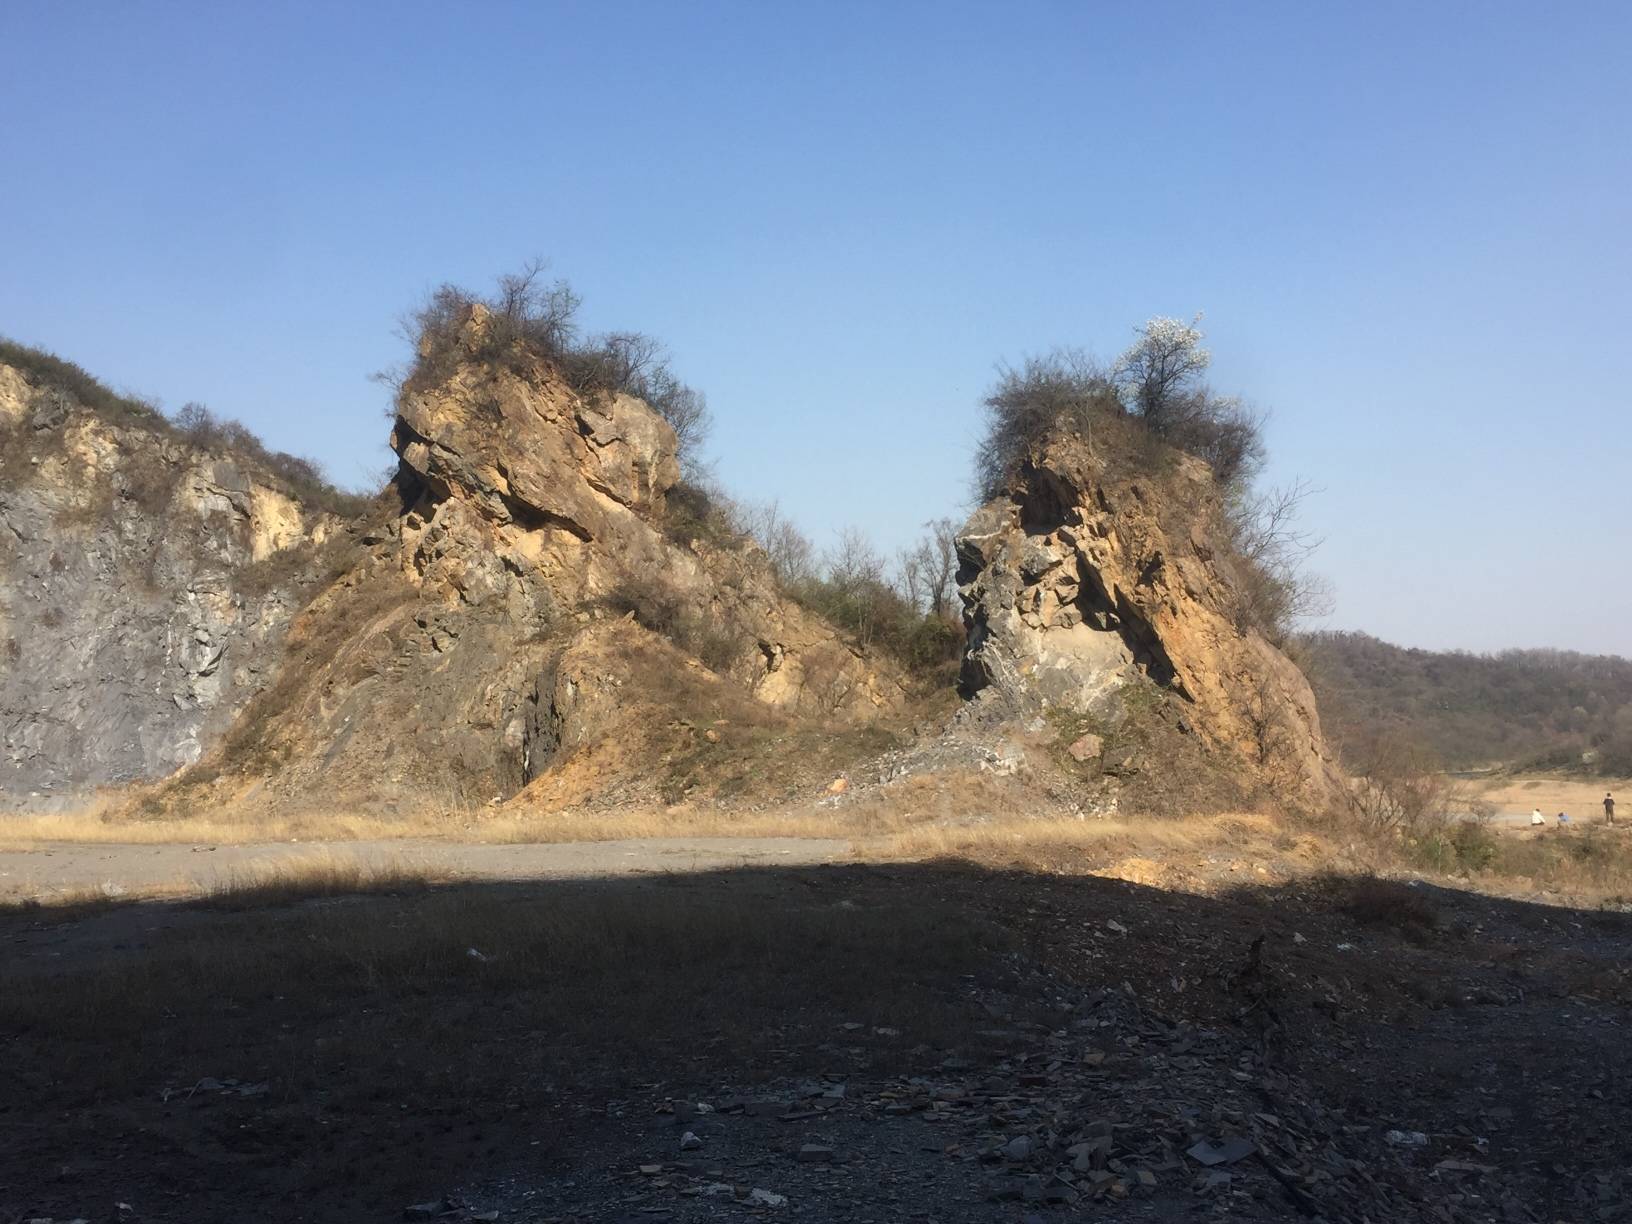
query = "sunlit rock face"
x=1082 y=586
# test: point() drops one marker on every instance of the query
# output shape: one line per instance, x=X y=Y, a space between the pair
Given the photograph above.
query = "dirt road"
x=55 y=868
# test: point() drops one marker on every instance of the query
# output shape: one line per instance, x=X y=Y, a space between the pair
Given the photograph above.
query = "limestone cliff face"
x=1082 y=587
x=141 y=599
x=449 y=667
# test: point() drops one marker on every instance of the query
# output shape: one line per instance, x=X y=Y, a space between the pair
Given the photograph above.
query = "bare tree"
x=1266 y=524
x=1265 y=713
x=941 y=566
x=911 y=577
x=792 y=555
x=858 y=595
x=1397 y=785
x=1277 y=590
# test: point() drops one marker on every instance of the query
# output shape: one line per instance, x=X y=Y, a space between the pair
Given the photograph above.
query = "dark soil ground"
x=821 y=1043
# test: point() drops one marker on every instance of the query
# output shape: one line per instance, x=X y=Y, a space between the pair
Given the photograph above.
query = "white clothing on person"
x=1536 y=818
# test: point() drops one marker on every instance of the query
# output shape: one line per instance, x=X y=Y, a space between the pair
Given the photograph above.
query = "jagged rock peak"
x=1082 y=586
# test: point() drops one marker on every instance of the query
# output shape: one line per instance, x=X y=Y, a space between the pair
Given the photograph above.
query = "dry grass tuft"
x=1073 y=844
x=319 y=873
x=1375 y=901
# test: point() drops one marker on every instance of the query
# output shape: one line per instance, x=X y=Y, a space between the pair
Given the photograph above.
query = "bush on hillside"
x=1064 y=392
x=531 y=319
x=1140 y=411
x=45 y=369
x=660 y=607
x=299 y=477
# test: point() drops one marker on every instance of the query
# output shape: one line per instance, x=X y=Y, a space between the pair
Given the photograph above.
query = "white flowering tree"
x=1159 y=377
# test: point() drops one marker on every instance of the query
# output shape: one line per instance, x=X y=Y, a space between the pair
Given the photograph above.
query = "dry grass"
x=951 y=797
x=69 y=904
x=95 y=825
x=1076 y=844
x=1589 y=865
x=1582 y=798
x=320 y=873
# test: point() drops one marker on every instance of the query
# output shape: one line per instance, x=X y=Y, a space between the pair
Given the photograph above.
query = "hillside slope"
x=1543 y=707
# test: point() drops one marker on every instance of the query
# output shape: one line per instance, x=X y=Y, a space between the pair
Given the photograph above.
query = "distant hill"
x=1541 y=708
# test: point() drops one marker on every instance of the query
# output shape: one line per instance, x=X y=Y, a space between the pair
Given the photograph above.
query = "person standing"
x=1609 y=808
x=1537 y=820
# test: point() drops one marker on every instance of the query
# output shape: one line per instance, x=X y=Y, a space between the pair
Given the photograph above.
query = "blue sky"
x=1407 y=225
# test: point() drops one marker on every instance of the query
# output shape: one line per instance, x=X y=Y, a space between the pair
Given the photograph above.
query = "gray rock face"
x=1042 y=630
x=129 y=636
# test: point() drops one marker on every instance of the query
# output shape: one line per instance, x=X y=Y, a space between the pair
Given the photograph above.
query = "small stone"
x=712 y=736
x=766 y=1198
x=1086 y=748
x=815 y=1153
x=1031 y=1190
x=838 y=786
x=1228 y=1152
x=1401 y=1138
x=651 y=1170
x=1146 y=1177
x=689 y=1142
x=1018 y=1148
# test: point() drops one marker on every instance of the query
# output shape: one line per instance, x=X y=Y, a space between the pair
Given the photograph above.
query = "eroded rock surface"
x=141 y=599
x=469 y=654
x=1083 y=586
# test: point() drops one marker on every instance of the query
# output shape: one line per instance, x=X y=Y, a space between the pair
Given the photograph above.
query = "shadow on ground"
x=950 y=1043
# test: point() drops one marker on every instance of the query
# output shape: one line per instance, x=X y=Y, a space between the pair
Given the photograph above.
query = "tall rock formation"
x=469 y=653
x=1107 y=590
x=145 y=584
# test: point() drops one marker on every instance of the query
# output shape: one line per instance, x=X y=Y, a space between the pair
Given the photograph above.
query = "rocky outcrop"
x=453 y=665
x=145 y=585
x=1084 y=587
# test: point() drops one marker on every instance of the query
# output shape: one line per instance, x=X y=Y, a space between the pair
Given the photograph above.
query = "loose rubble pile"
x=1121 y=1115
